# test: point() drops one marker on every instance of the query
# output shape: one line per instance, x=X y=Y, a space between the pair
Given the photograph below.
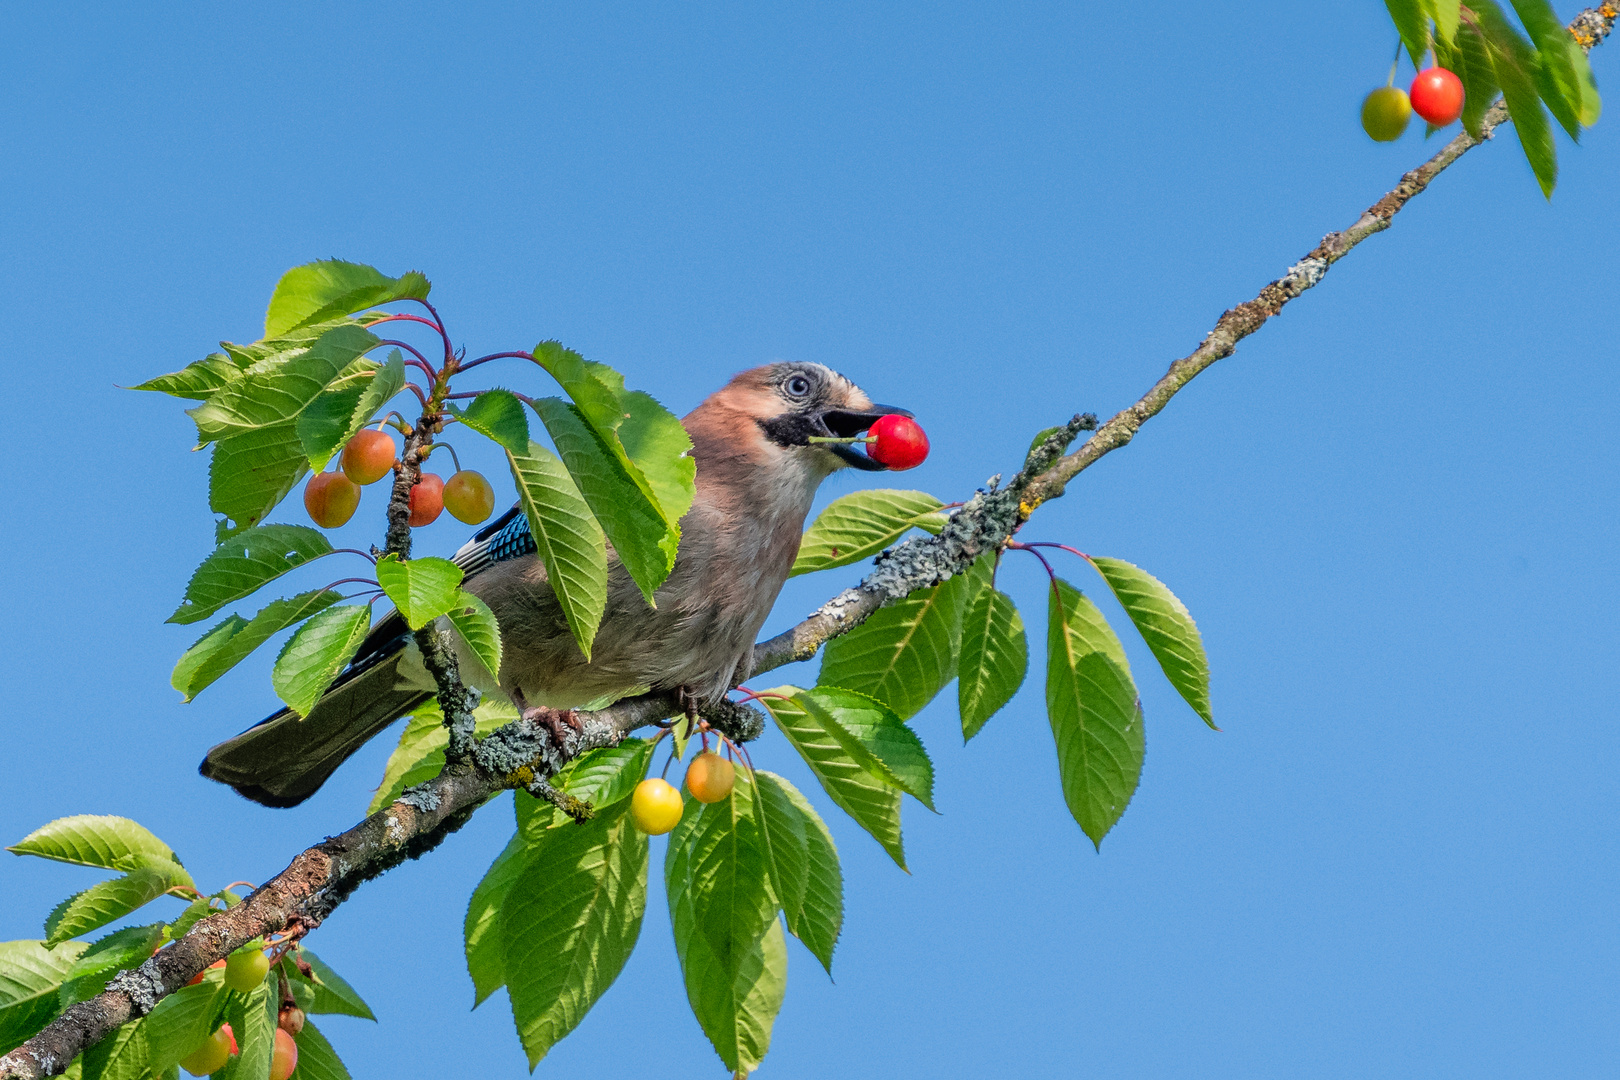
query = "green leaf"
x=645 y=438
x=873 y=803
x=30 y=974
x=316 y=1058
x=1591 y=107
x=246 y=563
x=723 y=912
x=230 y=642
x=348 y=405
x=281 y=391
x=419 y=755
x=250 y=473
x=481 y=928
x=569 y=923
x=332 y=993
x=661 y=452
x=863 y=524
x=1096 y=719
x=1514 y=63
x=497 y=414
x=1413 y=24
x=111 y=843
x=182 y=1021
x=994 y=658
x=1471 y=60
x=1446 y=16
x=101 y=903
x=253 y=1021
x=601 y=777
x=804 y=865
x=194 y=913
x=643 y=540
x=122 y=1055
x=422 y=589
x=197 y=381
x=118 y=951
x=313 y=656
x=905 y=653
x=1555 y=73
x=896 y=754
x=593 y=387
x=477 y=626
x=1166 y=626
x=567 y=537
x=323 y=290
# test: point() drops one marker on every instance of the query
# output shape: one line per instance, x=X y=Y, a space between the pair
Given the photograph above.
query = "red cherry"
x=284 y=1058
x=427 y=499
x=369 y=456
x=330 y=498
x=231 y=1035
x=900 y=442
x=1437 y=96
x=204 y=971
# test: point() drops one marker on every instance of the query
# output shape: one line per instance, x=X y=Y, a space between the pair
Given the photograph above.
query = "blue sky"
x=1392 y=511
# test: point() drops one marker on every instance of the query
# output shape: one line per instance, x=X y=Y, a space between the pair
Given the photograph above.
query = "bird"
x=757 y=474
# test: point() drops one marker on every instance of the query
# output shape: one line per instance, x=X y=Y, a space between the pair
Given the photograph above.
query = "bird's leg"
x=688 y=700
x=553 y=720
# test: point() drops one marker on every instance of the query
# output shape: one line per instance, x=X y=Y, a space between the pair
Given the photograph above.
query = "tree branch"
x=523 y=752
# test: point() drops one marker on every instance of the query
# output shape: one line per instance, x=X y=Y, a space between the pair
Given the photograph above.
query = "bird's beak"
x=847 y=423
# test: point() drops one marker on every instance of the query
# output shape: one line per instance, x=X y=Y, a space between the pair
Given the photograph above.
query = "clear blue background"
x=1393 y=511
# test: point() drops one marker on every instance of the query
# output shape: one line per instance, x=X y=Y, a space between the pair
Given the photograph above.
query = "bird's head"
x=789 y=403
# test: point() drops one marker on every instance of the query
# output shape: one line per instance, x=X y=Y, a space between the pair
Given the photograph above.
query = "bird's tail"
x=284 y=759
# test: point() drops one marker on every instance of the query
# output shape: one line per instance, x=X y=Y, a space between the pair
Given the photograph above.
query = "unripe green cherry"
x=1385 y=112
x=245 y=970
x=212 y=1055
x=468 y=497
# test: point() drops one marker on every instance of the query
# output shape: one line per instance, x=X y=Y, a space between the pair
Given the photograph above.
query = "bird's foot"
x=554 y=721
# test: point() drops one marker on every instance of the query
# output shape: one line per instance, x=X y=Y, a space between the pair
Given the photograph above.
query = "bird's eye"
x=797 y=386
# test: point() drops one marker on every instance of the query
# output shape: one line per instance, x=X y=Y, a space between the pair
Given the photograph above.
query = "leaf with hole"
x=861 y=525
x=246 y=563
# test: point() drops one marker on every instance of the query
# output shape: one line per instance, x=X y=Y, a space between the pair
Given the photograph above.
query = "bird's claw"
x=554 y=721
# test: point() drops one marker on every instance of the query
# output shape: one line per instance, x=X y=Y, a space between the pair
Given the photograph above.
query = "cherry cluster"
x=244 y=972
x=331 y=497
x=1436 y=95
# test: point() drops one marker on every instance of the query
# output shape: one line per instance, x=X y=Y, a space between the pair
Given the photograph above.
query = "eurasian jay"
x=757 y=473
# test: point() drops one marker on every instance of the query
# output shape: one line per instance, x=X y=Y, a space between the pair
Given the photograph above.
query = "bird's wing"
x=507 y=537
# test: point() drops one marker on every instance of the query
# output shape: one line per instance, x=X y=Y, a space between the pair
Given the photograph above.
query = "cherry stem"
x=368 y=556
x=1060 y=547
x=841 y=441
x=443 y=446
x=398 y=424
x=417 y=390
x=494 y=356
x=461 y=396
x=354 y=580
x=1018 y=546
x=665 y=774
x=419 y=362
x=437 y=324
